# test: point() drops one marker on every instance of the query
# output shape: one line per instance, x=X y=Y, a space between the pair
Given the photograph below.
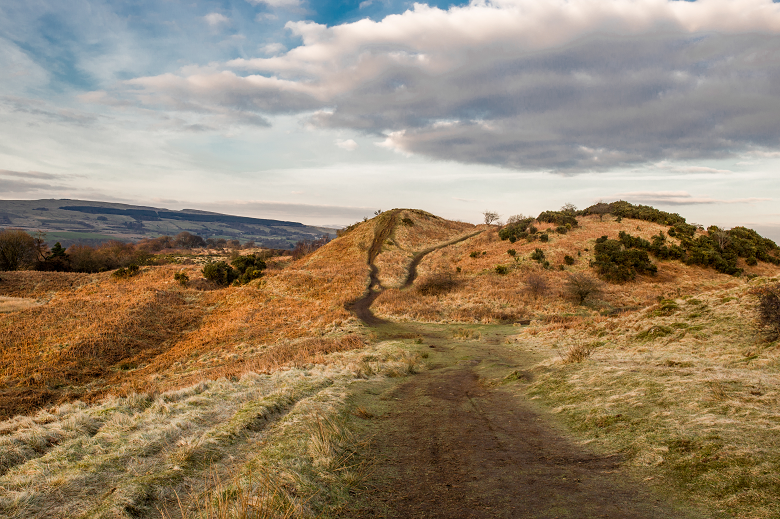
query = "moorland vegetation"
x=223 y=377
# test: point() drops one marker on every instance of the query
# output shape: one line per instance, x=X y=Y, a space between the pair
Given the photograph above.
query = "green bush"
x=475 y=254
x=516 y=230
x=537 y=255
x=408 y=222
x=562 y=229
x=126 y=272
x=618 y=264
x=544 y=237
x=512 y=252
x=249 y=267
x=560 y=218
x=568 y=260
x=501 y=269
x=181 y=278
x=220 y=272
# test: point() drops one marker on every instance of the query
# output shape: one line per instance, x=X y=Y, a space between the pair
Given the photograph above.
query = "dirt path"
x=456 y=442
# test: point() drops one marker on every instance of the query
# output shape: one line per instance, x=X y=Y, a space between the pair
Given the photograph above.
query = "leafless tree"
x=580 y=286
x=569 y=208
x=722 y=238
x=537 y=284
x=601 y=208
x=515 y=218
x=490 y=216
x=17 y=249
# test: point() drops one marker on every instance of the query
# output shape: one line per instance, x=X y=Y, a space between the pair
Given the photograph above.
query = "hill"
x=666 y=372
x=87 y=222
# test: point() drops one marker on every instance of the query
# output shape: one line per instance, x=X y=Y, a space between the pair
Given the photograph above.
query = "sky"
x=325 y=111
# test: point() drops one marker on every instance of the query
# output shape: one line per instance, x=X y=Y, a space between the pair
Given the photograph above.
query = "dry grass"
x=260 y=444
x=14 y=304
x=686 y=390
x=95 y=335
x=483 y=295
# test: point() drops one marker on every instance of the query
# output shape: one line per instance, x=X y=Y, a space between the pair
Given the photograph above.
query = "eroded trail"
x=458 y=441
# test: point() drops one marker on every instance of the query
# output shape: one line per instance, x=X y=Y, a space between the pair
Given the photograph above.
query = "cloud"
x=277 y=3
x=553 y=85
x=216 y=19
x=680 y=198
x=27 y=174
x=272 y=48
x=348 y=145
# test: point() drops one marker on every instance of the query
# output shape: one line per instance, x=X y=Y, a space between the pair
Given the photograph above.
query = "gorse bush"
x=124 y=273
x=219 y=272
x=568 y=260
x=618 y=264
x=516 y=229
x=537 y=255
x=181 y=278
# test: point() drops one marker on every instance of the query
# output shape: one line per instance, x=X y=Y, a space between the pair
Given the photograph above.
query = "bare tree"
x=537 y=284
x=580 y=286
x=569 y=208
x=490 y=216
x=722 y=238
x=601 y=208
x=17 y=249
x=515 y=218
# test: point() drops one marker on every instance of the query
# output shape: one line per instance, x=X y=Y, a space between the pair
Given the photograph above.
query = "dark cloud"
x=524 y=85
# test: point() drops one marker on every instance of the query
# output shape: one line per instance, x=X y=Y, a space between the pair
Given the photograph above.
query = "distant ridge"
x=91 y=222
x=155 y=215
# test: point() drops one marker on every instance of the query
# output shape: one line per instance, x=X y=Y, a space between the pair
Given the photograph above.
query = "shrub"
x=559 y=217
x=617 y=264
x=769 y=309
x=544 y=237
x=501 y=269
x=580 y=286
x=568 y=260
x=219 y=272
x=562 y=229
x=181 y=278
x=126 y=272
x=537 y=284
x=475 y=254
x=516 y=229
x=537 y=255
x=512 y=252
x=408 y=222
x=249 y=267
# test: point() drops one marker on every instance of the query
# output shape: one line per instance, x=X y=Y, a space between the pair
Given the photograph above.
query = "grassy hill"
x=200 y=389
x=87 y=222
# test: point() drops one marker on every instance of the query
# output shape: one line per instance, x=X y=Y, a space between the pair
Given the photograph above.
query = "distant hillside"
x=81 y=221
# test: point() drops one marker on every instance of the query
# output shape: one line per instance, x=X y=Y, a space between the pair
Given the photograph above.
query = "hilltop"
x=661 y=370
x=88 y=222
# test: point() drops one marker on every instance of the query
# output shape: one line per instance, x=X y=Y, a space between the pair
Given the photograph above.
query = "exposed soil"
x=456 y=441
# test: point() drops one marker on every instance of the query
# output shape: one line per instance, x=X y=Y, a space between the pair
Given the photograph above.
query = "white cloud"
x=216 y=19
x=276 y=3
x=272 y=48
x=349 y=145
x=524 y=83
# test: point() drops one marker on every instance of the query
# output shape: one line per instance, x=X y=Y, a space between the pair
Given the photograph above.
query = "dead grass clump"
x=577 y=352
x=437 y=284
x=15 y=304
